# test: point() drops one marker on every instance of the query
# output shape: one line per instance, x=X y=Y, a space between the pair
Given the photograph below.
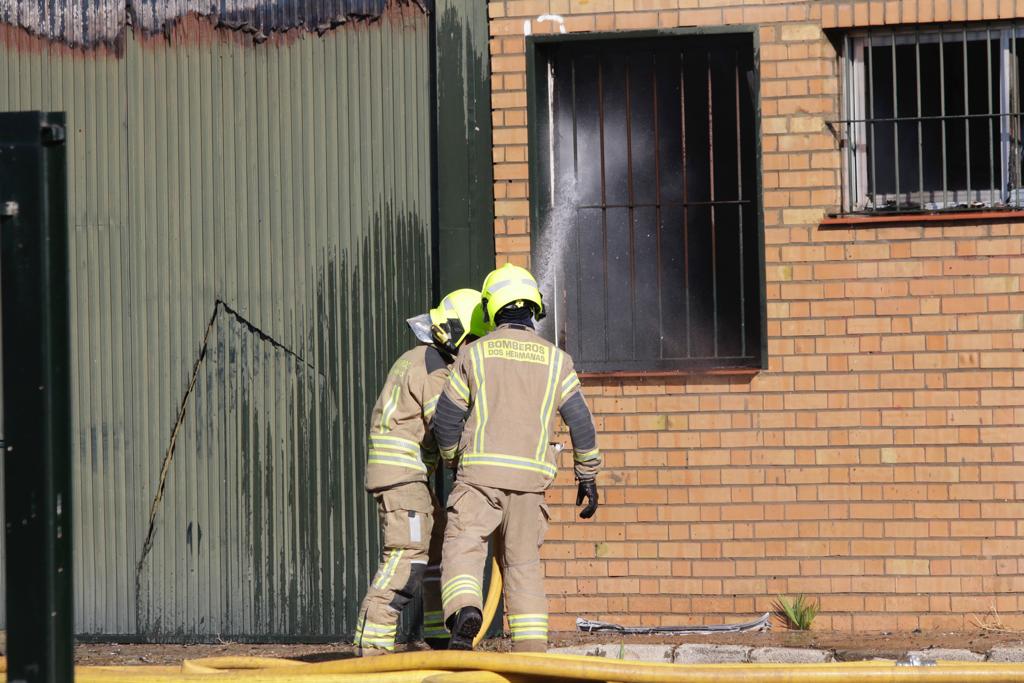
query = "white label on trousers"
x=414 y=527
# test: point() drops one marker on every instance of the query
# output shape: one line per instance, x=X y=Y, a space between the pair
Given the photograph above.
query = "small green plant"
x=799 y=613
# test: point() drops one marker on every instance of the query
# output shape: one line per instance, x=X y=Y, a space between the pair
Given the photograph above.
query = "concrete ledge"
x=948 y=654
x=630 y=653
x=867 y=655
x=585 y=650
x=640 y=653
x=711 y=654
x=790 y=655
x=699 y=653
x=1006 y=654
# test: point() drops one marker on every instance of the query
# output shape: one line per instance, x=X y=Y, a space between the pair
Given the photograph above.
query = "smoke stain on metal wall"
x=89 y=23
x=247 y=328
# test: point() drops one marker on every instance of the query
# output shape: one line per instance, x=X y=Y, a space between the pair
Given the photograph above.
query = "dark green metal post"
x=463 y=178
x=464 y=190
x=37 y=406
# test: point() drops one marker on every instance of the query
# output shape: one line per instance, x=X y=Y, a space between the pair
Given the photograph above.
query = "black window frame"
x=536 y=104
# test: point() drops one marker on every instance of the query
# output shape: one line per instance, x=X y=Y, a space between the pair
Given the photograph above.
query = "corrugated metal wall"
x=250 y=228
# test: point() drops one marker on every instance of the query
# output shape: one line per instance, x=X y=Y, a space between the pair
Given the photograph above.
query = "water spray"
x=551 y=194
x=559 y=215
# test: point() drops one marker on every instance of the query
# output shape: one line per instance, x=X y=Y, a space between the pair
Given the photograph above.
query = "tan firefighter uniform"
x=508 y=387
x=401 y=454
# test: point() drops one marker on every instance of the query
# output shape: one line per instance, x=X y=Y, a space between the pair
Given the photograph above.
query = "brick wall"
x=878 y=463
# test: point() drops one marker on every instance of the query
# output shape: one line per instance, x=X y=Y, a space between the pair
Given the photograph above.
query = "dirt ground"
x=848 y=646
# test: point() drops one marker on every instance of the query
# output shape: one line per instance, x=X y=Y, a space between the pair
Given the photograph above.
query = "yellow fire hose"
x=491 y=603
x=477 y=677
x=245 y=663
x=488 y=667
x=597 y=669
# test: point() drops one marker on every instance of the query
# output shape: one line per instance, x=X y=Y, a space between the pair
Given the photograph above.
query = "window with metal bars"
x=645 y=190
x=932 y=120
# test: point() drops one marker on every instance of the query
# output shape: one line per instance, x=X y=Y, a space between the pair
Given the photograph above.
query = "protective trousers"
x=412 y=523
x=519 y=522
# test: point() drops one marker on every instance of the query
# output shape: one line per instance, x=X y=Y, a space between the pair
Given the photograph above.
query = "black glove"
x=588 y=490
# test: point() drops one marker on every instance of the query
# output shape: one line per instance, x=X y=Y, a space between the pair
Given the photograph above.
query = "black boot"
x=437 y=643
x=464 y=625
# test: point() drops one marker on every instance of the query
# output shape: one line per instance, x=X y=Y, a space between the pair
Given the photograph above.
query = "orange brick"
x=875 y=456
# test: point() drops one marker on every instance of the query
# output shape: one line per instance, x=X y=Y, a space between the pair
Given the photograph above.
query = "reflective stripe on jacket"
x=401 y=447
x=512 y=383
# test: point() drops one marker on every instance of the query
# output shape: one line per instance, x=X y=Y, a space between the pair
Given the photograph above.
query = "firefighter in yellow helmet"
x=402 y=454
x=495 y=419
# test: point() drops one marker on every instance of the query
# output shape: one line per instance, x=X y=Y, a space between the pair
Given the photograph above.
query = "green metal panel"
x=250 y=231
x=465 y=181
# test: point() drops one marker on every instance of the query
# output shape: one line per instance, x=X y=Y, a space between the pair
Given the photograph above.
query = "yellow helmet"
x=507 y=285
x=458 y=316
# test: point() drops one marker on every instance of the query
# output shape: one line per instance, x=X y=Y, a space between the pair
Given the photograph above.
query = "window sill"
x=667 y=374
x=857 y=221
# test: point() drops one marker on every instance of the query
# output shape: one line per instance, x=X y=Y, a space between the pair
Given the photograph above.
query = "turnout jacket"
x=401 y=447
x=497 y=412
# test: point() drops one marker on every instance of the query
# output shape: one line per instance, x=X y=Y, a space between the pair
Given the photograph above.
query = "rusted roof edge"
x=95 y=23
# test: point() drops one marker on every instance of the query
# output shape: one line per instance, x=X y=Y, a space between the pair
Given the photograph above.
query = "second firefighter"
x=495 y=421
x=402 y=454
